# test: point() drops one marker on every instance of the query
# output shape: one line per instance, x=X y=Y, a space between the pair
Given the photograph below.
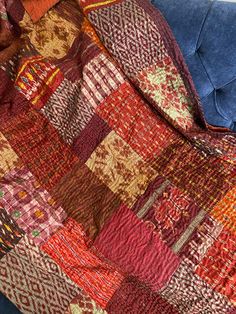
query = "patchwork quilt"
x=116 y=196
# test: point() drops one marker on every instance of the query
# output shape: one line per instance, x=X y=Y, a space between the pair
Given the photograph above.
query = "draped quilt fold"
x=116 y=196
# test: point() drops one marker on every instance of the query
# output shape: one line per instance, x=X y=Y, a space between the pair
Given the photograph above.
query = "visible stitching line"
x=203 y=24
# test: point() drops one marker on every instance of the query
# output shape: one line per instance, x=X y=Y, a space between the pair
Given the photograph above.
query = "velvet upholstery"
x=205 y=31
x=6 y=307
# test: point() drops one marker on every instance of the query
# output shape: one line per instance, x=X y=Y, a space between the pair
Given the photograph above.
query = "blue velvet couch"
x=205 y=31
x=6 y=307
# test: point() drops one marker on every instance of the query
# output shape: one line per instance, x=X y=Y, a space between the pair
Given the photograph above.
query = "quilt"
x=116 y=196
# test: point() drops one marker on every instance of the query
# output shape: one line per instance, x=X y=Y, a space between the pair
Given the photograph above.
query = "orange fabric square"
x=218 y=268
x=72 y=251
x=36 y=9
x=225 y=210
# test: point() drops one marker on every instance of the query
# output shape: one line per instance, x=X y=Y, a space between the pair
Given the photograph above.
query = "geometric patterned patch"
x=195 y=244
x=190 y=294
x=37 y=79
x=120 y=168
x=34 y=282
x=71 y=249
x=129 y=34
x=30 y=205
x=68 y=110
x=127 y=114
x=218 y=267
x=71 y=106
x=100 y=78
x=83 y=304
x=10 y=233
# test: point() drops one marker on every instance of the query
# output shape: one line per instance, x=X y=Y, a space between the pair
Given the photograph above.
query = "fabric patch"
x=72 y=105
x=190 y=294
x=193 y=249
x=80 y=53
x=10 y=233
x=127 y=114
x=171 y=214
x=100 y=78
x=6 y=37
x=224 y=146
x=163 y=84
x=135 y=297
x=8 y=157
x=53 y=35
x=30 y=205
x=68 y=110
x=131 y=240
x=37 y=10
x=90 y=5
x=145 y=201
x=39 y=146
x=225 y=211
x=34 y=282
x=205 y=178
x=37 y=79
x=232 y=311
x=89 y=138
x=15 y=10
x=88 y=29
x=13 y=63
x=83 y=304
x=86 y=199
x=120 y=168
x=135 y=41
x=71 y=249
x=12 y=101
x=218 y=267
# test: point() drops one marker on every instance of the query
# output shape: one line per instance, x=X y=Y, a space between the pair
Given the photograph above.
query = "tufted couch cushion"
x=205 y=31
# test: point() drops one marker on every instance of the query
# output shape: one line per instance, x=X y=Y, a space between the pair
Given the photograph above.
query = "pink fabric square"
x=129 y=243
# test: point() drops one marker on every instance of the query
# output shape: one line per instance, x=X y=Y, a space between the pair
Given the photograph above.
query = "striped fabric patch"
x=70 y=249
x=100 y=78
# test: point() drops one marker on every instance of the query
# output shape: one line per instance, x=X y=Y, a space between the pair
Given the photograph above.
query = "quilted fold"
x=162 y=77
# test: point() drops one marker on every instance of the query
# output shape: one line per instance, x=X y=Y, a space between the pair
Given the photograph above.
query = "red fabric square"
x=132 y=119
x=39 y=146
x=218 y=268
x=71 y=250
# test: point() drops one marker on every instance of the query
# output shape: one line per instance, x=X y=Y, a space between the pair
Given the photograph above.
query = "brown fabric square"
x=86 y=199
